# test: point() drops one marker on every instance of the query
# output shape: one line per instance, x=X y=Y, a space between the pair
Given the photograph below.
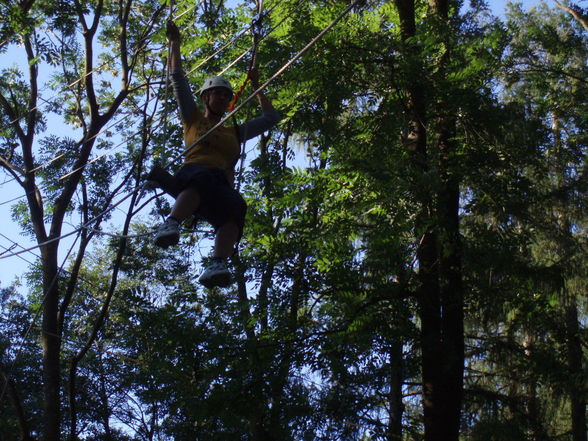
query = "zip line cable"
x=234 y=111
x=15 y=245
x=235 y=38
x=79 y=168
x=138 y=132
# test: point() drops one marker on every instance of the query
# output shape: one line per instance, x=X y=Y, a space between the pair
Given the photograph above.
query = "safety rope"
x=252 y=62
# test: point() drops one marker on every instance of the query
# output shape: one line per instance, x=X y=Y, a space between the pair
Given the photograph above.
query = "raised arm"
x=264 y=102
x=267 y=120
x=180 y=84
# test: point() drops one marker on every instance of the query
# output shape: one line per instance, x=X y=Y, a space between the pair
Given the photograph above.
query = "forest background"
x=414 y=260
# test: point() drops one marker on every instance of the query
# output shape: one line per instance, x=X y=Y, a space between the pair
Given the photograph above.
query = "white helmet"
x=213 y=82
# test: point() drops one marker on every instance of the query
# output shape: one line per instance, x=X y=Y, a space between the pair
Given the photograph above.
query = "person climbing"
x=206 y=178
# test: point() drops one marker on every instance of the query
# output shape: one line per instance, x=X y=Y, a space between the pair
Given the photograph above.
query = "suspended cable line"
x=15 y=245
x=114 y=123
x=81 y=227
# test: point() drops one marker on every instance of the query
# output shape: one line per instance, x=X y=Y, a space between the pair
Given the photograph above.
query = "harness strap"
x=239 y=140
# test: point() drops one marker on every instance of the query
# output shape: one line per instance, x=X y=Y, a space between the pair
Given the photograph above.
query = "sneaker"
x=216 y=274
x=168 y=233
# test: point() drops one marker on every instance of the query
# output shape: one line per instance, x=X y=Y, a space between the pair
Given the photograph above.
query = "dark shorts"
x=220 y=202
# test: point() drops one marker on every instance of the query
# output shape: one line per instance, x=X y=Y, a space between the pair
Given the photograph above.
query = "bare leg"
x=225 y=239
x=186 y=204
x=217 y=273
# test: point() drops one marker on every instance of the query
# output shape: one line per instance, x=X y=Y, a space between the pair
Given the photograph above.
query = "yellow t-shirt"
x=220 y=149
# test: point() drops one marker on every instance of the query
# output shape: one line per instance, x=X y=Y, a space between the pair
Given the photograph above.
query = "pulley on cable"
x=256 y=33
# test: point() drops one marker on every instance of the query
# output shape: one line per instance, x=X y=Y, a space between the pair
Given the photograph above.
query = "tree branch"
x=575 y=12
x=25 y=431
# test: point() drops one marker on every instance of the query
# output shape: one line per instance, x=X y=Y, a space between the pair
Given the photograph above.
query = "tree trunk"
x=574 y=352
x=9 y=386
x=396 y=406
x=258 y=409
x=451 y=288
x=105 y=411
x=428 y=290
x=575 y=357
x=536 y=430
x=440 y=292
x=51 y=344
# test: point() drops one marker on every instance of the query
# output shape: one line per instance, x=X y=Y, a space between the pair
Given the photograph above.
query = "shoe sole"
x=167 y=240
x=218 y=280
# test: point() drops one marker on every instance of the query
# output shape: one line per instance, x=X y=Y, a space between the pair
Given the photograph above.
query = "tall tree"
x=51 y=183
x=415 y=197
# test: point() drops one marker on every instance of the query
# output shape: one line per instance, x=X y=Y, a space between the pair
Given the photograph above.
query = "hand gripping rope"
x=256 y=31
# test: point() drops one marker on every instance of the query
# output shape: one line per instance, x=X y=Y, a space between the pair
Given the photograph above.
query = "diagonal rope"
x=206 y=134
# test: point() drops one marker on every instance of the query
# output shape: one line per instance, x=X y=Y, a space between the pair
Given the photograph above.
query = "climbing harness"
x=158 y=177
